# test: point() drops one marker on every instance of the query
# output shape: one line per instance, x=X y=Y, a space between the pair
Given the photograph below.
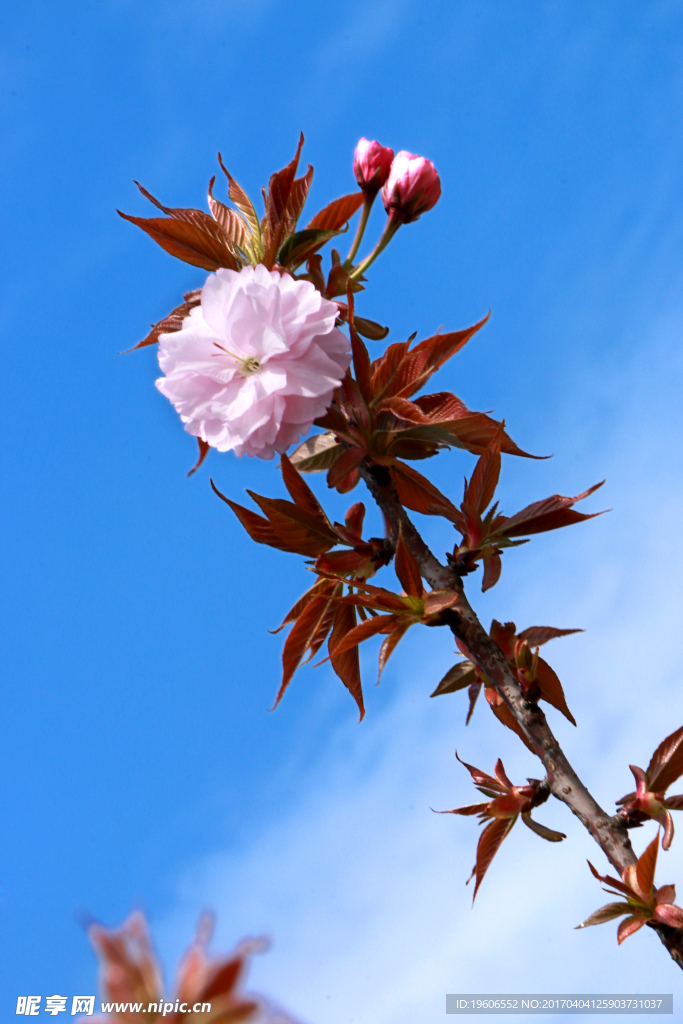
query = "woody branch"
x=564 y=783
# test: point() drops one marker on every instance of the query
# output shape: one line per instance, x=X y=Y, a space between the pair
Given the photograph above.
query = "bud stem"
x=390 y=229
x=362 y=224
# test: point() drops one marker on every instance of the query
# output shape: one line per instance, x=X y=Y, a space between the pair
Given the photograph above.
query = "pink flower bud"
x=371 y=164
x=412 y=188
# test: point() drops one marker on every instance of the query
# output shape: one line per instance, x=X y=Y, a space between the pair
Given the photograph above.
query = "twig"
x=564 y=783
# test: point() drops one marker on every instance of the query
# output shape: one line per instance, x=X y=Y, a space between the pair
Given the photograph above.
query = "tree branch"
x=564 y=783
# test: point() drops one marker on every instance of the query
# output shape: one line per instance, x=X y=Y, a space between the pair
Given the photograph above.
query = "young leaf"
x=418 y=493
x=258 y=528
x=457 y=678
x=300 y=636
x=646 y=866
x=203 y=452
x=243 y=203
x=337 y=213
x=481 y=488
x=197 y=246
x=537 y=635
x=542 y=830
x=346 y=663
x=316 y=454
x=607 y=913
x=301 y=245
x=666 y=764
x=387 y=648
x=307 y=533
x=407 y=569
x=343 y=466
x=541 y=516
x=230 y=221
x=173 y=322
x=301 y=493
x=489 y=843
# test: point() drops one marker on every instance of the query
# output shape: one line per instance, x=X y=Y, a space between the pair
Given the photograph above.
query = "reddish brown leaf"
x=387 y=648
x=301 y=493
x=297 y=528
x=437 y=601
x=325 y=625
x=344 y=465
x=666 y=764
x=354 y=518
x=551 y=689
x=402 y=409
x=537 y=635
x=204 y=246
x=469 y=809
x=646 y=866
x=493 y=567
x=203 y=452
x=407 y=569
x=482 y=486
x=549 y=834
x=297 y=198
x=501 y=775
x=349 y=482
x=278 y=220
x=230 y=221
x=441 y=347
x=669 y=914
x=370 y=329
x=416 y=492
x=258 y=528
x=457 y=678
x=242 y=202
x=321 y=588
x=300 y=636
x=280 y=187
x=361 y=359
x=346 y=664
x=481 y=778
x=338 y=212
x=173 y=322
x=628 y=926
x=607 y=913
x=472 y=694
x=541 y=516
x=487 y=847
x=385 y=367
x=316 y=454
x=363 y=631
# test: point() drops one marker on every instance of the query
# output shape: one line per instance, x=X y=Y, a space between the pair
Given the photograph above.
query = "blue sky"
x=140 y=764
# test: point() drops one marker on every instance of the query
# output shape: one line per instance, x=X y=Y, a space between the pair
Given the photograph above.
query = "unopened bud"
x=412 y=188
x=371 y=164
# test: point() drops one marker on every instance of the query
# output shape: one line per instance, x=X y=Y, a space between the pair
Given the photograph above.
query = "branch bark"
x=564 y=783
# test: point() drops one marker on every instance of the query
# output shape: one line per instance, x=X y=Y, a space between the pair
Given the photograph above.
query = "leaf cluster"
x=537 y=679
x=650 y=800
x=505 y=805
x=643 y=903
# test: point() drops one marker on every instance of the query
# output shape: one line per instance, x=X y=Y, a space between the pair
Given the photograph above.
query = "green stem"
x=360 y=231
x=390 y=229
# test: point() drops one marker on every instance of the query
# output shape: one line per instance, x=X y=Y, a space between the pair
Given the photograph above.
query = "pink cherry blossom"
x=371 y=164
x=255 y=363
x=412 y=188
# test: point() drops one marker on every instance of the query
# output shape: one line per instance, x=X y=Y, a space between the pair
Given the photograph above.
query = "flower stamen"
x=248 y=364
